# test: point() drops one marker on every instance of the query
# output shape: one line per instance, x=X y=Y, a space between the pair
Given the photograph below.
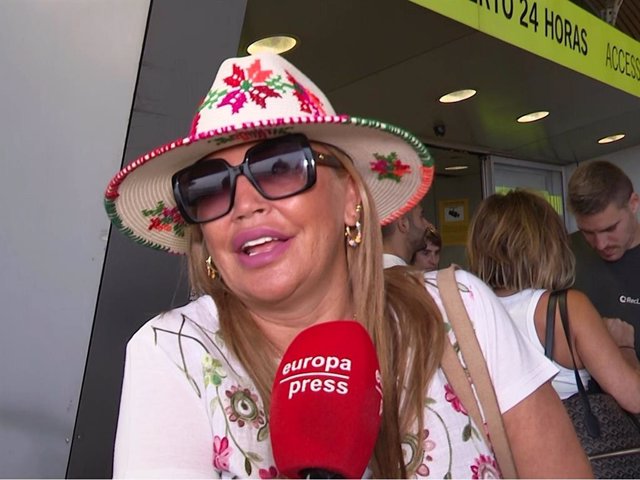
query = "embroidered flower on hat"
x=165 y=219
x=309 y=103
x=257 y=85
x=389 y=166
x=253 y=84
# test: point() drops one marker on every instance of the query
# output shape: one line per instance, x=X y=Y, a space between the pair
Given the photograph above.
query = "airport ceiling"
x=392 y=60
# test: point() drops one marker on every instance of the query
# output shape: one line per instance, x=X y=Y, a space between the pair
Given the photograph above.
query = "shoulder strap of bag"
x=477 y=367
x=590 y=420
x=551 y=325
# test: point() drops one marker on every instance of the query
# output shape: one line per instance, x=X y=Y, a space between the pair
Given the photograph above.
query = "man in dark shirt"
x=607 y=245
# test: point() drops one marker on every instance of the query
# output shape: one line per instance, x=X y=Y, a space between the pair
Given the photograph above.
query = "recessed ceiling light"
x=275 y=44
x=533 y=116
x=612 y=138
x=457 y=167
x=457 y=96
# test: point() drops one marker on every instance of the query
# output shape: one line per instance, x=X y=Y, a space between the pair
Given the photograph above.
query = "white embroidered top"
x=189 y=410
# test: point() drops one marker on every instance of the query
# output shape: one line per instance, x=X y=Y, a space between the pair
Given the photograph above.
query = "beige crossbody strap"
x=477 y=367
x=458 y=380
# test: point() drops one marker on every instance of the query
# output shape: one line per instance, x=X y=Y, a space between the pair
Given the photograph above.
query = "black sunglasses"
x=277 y=168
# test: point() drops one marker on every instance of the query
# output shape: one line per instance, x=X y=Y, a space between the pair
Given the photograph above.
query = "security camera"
x=439 y=129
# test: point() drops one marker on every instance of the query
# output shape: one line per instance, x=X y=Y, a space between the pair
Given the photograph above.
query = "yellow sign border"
x=556 y=30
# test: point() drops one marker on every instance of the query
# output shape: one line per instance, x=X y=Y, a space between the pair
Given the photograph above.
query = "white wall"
x=67 y=75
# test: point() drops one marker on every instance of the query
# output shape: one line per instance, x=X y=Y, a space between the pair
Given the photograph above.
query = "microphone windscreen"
x=326 y=401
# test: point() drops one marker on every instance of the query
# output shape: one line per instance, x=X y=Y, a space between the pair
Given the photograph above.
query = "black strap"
x=551 y=323
x=590 y=420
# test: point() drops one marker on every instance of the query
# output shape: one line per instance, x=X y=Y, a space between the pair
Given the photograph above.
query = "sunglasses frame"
x=313 y=159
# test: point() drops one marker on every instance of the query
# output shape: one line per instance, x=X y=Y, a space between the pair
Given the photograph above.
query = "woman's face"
x=279 y=252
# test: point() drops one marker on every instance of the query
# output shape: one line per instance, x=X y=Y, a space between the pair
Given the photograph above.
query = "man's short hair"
x=594 y=185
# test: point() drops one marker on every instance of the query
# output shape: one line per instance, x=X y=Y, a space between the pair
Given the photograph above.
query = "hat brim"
x=139 y=199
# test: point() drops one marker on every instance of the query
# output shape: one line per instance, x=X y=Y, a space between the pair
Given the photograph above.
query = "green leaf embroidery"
x=254 y=457
x=247 y=465
x=466 y=433
x=263 y=433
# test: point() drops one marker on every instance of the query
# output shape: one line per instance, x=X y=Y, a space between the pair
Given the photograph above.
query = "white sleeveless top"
x=521 y=307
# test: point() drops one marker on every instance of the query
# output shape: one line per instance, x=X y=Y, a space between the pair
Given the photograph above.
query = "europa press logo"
x=332 y=361
x=326 y=402
x=317 y=374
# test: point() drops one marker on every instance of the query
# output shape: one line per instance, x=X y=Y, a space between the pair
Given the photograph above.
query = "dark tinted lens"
x=205 y=189
x=280 y=168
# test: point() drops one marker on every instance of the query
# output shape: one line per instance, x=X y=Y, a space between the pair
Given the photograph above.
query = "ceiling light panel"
x=276 y=44
x=457 y=96
x=533 y=116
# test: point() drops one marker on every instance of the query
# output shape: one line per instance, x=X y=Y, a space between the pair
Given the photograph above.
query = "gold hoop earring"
x=354 y=238
x=212 y=273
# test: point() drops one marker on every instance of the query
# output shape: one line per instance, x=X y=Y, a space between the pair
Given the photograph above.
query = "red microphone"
x=326 y=403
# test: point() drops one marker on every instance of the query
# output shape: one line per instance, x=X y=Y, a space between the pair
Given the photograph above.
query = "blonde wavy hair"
x=518 y=241
x=403 y=320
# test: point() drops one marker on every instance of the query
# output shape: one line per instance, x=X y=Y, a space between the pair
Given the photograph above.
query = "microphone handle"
x=318 y=473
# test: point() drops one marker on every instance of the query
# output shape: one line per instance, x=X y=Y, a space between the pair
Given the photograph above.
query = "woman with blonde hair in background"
x=519 y=246
x=277 y=203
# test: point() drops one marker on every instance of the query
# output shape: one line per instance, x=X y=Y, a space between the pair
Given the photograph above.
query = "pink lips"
x=262 y=253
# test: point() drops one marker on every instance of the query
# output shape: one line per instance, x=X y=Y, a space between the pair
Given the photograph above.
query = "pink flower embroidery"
x=428 y=445
x=485 y=466
x=389 y=166
x=309 y=103
x=451 y=397
x=249 y=85
x=271 y=473
x=221 y=453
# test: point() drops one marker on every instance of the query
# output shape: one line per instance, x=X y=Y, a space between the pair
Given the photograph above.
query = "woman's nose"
x=248 y=200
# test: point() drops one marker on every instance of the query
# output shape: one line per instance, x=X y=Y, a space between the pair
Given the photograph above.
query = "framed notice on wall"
x=454 y=221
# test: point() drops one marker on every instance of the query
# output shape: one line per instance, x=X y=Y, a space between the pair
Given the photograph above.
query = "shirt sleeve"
x=163 y=430
x=516 y=368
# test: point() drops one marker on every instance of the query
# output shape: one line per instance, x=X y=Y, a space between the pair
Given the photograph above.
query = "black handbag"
x=609 y=434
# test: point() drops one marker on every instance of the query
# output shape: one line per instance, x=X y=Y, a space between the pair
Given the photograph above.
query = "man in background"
x=607 y=246
x=404 y=236
x=428 y=258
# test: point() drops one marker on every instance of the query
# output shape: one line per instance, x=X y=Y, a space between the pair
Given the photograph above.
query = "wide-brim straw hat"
x=253 y=98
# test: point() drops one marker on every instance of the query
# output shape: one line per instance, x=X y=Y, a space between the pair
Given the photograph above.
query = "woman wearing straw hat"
x=277 y=203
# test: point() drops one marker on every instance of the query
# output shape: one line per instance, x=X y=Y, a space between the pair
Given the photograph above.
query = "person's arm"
x=542 y=437
x=538 y=450
x=623 y=334
x=614 y=368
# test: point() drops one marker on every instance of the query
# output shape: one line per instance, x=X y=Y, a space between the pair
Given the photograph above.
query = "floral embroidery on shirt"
x=165 y=219
x=221 y=453
x=485 y=466
x=272 y=472
x=427 y=446
x=451 y=397
x=389 y=166
x=212 y=370
x=243 y=407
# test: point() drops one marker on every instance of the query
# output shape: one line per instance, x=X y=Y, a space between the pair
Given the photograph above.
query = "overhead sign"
x=556 y=30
